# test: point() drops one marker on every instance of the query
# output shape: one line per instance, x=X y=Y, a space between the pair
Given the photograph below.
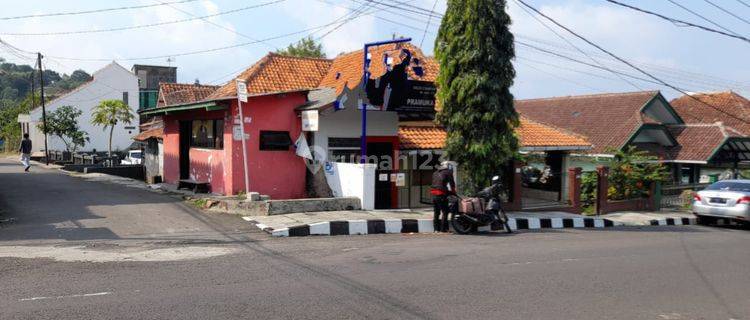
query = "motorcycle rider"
x=443 y=185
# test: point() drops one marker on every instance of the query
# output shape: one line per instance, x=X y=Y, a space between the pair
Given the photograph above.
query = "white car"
x=134 y=157
x=724 y=199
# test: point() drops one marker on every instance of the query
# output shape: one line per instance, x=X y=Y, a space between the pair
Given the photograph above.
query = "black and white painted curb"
x=674 y=221
x=355 y=227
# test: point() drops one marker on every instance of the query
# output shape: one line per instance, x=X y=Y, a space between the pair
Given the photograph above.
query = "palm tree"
x=110 y=112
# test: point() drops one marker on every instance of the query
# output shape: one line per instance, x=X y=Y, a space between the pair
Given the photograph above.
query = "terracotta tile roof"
x=148 y=134
x=346 y=69
x=733 y=109
x=277 y=73
x=531 y=134
x=181 y=93
x=606 y=120
x=534 y=134
x=421 y=137
x=697 y=142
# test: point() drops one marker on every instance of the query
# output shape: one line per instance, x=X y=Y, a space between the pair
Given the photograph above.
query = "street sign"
x=310 y=120
x=241 y=90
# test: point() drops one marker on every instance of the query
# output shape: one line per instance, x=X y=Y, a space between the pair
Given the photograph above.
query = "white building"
x=112 y=82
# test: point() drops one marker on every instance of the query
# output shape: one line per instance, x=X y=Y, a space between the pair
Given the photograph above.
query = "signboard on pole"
x=241 y=90
x=310 y=120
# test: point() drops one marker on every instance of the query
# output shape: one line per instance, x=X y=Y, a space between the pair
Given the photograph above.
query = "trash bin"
x=713 y=178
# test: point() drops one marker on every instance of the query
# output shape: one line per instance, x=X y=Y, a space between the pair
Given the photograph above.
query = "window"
x=275 y=140
x=207 y=134
x=344 y=149
x=125 y=97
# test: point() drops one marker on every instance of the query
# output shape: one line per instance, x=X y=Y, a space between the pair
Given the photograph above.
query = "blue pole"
x=365 y=78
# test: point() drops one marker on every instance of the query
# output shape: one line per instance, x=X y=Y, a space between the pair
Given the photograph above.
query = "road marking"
x=68 y=296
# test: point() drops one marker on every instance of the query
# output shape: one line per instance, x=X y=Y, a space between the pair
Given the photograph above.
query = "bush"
x=686 y=197
x=631 y=174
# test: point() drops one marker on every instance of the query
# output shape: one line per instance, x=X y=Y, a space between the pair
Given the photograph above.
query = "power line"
x=423 y=10
x=702 y=17
x=424 y=35
x=351 y=16
x=195 y=51
x=576 y=47
x=728 y=12
x=57 y=33
x=744 y=3
x=206 y=20
x=625 y=61
x=561 y=77
x=676 y=74
x=420 y=11
x=89 y=11
x=673 y=20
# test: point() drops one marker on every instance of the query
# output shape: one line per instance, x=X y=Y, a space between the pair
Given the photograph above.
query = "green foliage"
x=632 y=172
x=15 y=82
x=10 y=130
x=306 y=47
x=108 y=114
x=63 y=123
x=588 y=189
x=474 y=48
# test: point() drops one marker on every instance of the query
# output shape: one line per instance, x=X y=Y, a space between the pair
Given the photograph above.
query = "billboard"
x=395 y=91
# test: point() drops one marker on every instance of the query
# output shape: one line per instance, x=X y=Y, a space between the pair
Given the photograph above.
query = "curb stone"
x=673 y=222
x=390 y=226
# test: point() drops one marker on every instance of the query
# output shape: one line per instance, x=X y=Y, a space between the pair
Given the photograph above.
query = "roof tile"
x=530 y=133
x=181 y=93
x=277 y=73
x=606 y=120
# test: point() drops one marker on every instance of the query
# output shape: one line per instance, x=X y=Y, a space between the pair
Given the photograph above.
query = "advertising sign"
x=241 y=90
x=394 y=91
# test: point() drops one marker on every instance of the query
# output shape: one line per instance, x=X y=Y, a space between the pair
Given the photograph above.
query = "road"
x=83 y=250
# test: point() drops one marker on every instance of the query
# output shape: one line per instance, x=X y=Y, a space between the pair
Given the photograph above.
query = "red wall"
x=205 y=164
x=279 y=174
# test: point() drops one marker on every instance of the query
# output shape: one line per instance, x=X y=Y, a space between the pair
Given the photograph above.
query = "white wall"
x=346 y=123
x=109 y=83
x=352 y=180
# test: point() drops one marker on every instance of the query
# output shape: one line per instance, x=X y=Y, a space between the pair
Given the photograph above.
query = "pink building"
x=202 y=140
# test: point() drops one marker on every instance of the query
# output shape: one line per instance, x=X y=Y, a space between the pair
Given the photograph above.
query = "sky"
x=687 y=58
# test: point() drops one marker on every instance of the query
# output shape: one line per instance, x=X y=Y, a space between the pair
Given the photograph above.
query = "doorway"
x=383 y=187
x=185 y=135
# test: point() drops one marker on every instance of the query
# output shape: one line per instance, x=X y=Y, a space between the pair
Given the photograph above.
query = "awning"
x=319 y=99
x=208 y=106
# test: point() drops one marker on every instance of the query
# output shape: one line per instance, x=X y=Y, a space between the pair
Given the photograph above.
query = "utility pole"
x=44 y=110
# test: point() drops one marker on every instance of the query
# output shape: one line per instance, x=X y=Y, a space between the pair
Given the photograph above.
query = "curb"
x=674 y=222
x=390 y=226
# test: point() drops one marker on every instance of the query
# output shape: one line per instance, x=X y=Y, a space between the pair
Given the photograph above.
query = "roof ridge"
x=593 y=95
x=276 y=54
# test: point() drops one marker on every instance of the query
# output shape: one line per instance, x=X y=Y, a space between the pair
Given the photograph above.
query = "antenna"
x=170 y=60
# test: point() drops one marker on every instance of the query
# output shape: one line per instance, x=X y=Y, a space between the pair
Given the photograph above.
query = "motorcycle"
x=465 y=223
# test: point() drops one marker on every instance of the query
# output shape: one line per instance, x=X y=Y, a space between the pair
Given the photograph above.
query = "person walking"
x=25 y=150
x=443 y=185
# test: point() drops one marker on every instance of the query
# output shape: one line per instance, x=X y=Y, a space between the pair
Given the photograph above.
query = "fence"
x=673 y=196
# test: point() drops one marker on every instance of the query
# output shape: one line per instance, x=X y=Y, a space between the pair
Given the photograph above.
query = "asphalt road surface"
x=90 y=250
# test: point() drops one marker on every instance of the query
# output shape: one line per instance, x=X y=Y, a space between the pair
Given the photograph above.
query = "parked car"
x=724 y=199
x=134 y=157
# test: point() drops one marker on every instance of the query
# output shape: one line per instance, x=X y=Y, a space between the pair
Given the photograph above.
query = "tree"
x=63 y=123
x=306 y=47
x=474 y=48
x=108 y=114
x=10 y=130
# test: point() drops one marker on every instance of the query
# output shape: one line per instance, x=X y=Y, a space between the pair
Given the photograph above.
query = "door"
x=383 y=187
x=185 y=135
